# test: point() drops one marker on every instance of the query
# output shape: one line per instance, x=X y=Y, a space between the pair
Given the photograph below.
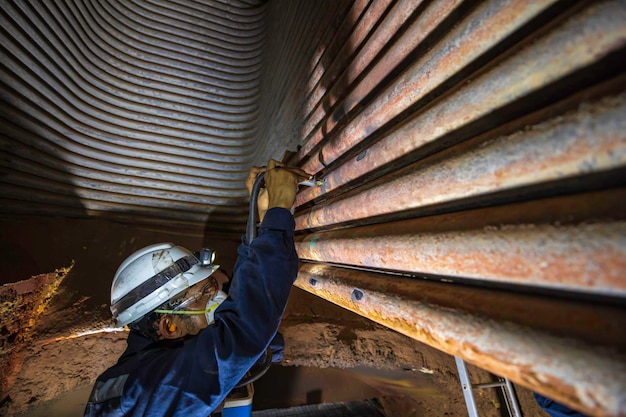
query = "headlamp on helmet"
x=154 y=275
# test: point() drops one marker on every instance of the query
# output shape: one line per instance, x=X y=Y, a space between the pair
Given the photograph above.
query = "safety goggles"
x=210 y=288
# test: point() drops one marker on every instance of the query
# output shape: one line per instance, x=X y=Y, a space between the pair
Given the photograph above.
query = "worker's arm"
x=209 y=365
x=265 y=270
x=262 y=279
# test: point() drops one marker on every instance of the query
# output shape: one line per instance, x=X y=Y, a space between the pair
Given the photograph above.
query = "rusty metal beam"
x=512 y=335
x=580 y=41
x=362 y=22
x=323 y=99
x=392 y=56
x=327 y=49
x=567 y=146
x=574 y=243
x=488 y=25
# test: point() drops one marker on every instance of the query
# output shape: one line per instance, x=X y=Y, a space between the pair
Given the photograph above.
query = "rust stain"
x=318 y=89
x=519 y=353
x=484 y=28
x=572 y=46
x=568 y=146
x=523 y=243
x=392 y=57
x=21 y=305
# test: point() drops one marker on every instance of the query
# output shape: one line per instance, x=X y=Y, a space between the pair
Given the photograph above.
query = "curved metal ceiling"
x=137 y=110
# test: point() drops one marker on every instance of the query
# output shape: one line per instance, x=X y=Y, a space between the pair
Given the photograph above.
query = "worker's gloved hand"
x=281 y=185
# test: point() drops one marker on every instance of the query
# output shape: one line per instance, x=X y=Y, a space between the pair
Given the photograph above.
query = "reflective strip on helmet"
x=106 y=390
x=153 y=283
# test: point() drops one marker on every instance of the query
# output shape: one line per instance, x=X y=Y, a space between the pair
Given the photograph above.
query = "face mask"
x=212 y=305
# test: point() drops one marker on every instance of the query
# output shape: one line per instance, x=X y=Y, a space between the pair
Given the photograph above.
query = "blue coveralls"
x=555 y=409
x=192 y=378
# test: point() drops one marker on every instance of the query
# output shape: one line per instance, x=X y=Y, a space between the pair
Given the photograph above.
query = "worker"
x=190 y=343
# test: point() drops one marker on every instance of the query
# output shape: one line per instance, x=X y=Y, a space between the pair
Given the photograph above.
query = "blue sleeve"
x=262 y=280
x=208 y=366
x=555 y=409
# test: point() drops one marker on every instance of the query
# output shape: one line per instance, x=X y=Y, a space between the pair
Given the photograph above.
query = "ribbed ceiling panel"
x=138 y=110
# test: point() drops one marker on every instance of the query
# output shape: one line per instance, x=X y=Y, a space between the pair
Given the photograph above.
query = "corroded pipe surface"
x=317 y=107
x=324 y=77
x=567 y=146
x=419 y=30
x=580 y=41
x=490 y=329
x=328 y=48
x=570 y=243
x=483 y=29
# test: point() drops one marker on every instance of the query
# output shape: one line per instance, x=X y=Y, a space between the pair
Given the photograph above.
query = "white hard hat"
x=152 y=276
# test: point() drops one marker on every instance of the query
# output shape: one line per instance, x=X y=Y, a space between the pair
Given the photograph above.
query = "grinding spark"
x=87 y=333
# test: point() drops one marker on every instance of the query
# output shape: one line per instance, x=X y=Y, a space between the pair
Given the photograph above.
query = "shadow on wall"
x=35 y=243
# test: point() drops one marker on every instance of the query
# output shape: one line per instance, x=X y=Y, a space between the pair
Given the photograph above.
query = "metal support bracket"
x=507 y=391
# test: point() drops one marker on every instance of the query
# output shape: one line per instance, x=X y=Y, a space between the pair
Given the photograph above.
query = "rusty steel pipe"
x=326 y=50
x=293 y=25
x=580 y=41
x=393 y=55
x=360 y=30
x=489 y=24
x=548 y=243
x=318 y=104
x=566 y=146
x=582 y=374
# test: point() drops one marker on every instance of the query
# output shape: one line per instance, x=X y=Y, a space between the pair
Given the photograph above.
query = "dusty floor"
x=415 y=379
x=331 y=354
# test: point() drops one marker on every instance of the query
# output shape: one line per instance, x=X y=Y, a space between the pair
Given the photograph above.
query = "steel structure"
x=473 y=155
